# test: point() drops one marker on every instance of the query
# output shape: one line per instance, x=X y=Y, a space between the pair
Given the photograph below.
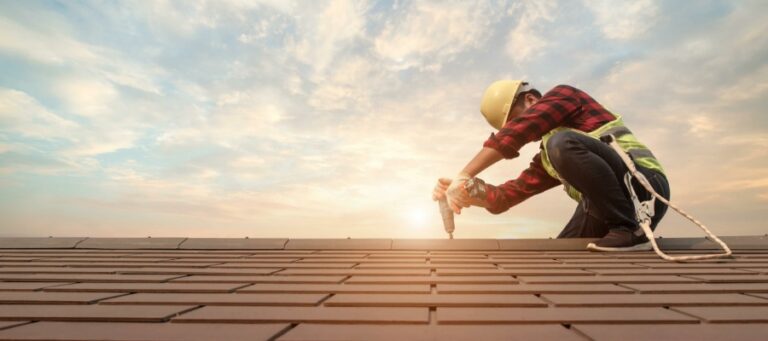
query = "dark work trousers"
x=597 y=171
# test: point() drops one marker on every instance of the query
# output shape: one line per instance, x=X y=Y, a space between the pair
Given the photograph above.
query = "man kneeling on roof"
x=569 y=123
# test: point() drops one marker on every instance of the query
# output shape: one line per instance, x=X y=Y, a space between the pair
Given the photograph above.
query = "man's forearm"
x=484 y=159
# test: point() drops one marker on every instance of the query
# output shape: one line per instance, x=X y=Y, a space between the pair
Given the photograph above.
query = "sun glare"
x=417 y=218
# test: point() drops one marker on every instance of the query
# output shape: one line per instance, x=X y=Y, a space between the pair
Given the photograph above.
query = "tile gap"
x=700 y=319
x=322 y=300
x=173 y=278
x=283 y=331
x=752 y=295
x=54 y=286
x=626 y=287
x=577 y=331
x=550 y=304
x=18 y=325
x=98 y=301
x=183 y=312
x=245 y=285
x=433 y=315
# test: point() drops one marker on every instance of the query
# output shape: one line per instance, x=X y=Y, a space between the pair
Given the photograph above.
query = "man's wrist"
x=463 y=176
x=476 y=189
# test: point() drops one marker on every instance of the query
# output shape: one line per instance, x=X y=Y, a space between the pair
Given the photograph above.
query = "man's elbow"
x=496 y=209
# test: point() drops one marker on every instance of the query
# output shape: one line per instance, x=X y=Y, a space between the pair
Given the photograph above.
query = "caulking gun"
x=475 y=188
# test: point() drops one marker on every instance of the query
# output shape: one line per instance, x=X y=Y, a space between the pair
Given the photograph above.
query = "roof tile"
x=653 y=300
x=729 y=314
x=431 y=300
x=431 y=280
x=218 y=299
x=730 y=278
x=38 y=243
x=606 y=279
x=576 y=244
x=355 y=271
x=130 y=243
x=560 y=315
x=743 y=332
x=530 y=289
x=260 y=279
x=102 y=278
x=337 y=288
x=305 y=314
x=16 y=312
x=234 y=243
x=338 y=244
x=321 y=332
x=28 y=286
x=699 y=288
x=283 y=265
x=147 y=287
x=445 y=244
x=141 y=331
x=656 y=272
x=23 y=297
x=200 y=271
x=423 y=265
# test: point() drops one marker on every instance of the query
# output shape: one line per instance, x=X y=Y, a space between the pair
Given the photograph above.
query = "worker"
x=569 y=123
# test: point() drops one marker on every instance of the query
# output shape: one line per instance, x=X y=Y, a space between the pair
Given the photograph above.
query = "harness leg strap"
x=644 y=211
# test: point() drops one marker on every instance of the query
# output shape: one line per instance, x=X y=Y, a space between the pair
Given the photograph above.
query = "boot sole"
x=637 y=247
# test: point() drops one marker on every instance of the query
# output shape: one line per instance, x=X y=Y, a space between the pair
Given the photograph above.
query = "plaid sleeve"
x=531 y=181
x=548 y=113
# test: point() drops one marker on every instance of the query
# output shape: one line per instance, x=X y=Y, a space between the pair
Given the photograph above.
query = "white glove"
x=439 y=192
x=458 y=197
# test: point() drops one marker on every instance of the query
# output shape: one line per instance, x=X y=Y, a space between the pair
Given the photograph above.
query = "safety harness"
x=644 y=209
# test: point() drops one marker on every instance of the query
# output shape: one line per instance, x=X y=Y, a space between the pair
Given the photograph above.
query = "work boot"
x=621 y=239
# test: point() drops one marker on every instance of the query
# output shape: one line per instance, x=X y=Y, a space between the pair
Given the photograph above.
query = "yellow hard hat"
x=498 y=100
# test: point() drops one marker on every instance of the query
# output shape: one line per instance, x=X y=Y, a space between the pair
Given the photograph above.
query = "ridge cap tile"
x=338 y=244
x=131 y=243
x=233 y=244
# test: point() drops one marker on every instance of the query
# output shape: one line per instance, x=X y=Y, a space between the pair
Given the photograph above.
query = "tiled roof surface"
x=375 y=289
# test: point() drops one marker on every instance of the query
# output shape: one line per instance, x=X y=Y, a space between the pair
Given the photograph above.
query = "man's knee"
x=560 y=147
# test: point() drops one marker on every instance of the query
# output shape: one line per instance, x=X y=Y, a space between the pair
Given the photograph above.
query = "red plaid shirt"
x=563 y=106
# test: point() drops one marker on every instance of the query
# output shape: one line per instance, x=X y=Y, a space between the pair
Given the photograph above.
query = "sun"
x=416 y=218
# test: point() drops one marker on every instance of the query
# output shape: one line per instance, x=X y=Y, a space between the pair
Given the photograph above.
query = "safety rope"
x=644 y=210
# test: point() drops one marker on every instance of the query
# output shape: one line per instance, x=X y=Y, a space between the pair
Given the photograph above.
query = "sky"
x=334 y=119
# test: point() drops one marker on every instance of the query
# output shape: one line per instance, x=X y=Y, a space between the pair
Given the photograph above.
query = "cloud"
x=87 y=96
x=624 y=20
x=20 y=113
x=54 y=45
x=524 y=41
x=431 y=34
x=320 y=38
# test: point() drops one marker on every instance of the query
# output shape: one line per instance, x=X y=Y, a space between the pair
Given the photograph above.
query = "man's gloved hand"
x=439 y=192
x=457 y=195
x=455 y=191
